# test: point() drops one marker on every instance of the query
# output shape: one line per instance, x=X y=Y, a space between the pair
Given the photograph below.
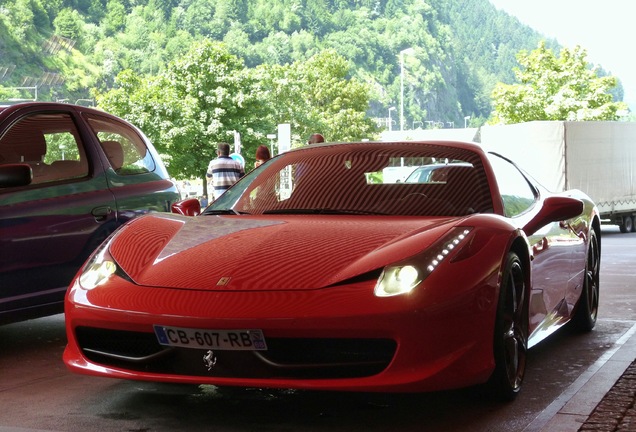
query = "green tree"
x=20 y=18
x=463 y=47
x=196 y=18
x=68 y=24
x=115 y=19
x=336 y=102
x=318 y=95
x=555 y=88
x=202 y=99
x=8 y=93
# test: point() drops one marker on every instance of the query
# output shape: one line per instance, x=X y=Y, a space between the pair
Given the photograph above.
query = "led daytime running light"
x=446 y=248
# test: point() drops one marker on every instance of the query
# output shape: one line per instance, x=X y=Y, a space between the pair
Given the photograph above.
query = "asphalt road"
x=38 y=393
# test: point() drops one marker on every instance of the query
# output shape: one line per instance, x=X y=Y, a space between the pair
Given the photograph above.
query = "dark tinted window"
x=350 y=179
x=49 y=143
x=125 y=149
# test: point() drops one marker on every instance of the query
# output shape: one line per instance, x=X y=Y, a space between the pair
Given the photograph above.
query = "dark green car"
x=69 y=176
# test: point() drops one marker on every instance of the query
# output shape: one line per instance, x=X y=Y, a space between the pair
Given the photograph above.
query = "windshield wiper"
x=350 y=211
x=292 y=211
x=320 y=210
x=228 y=211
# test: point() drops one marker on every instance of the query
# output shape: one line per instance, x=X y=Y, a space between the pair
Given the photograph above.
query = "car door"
x=552 y=246
x=48 y=228
x=135 y=174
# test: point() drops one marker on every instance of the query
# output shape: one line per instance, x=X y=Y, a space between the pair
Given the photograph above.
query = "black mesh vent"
x=302 y=358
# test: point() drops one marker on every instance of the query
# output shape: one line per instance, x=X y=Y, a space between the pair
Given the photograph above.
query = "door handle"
x=101 y=213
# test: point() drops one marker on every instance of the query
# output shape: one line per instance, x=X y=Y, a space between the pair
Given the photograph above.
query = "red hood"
x=261 y=253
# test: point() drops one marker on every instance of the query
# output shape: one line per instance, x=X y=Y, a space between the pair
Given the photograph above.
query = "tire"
x=511 y=332
x=627 y=225
x=586 y=311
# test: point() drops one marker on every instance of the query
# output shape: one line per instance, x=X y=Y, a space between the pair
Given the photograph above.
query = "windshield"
x=362 y=178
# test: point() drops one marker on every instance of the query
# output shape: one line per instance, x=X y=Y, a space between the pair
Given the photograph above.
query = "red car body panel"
x=311 y=278
x=452 y=354
x=345 y=249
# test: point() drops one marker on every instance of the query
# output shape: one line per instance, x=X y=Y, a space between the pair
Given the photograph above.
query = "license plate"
x=234 y=340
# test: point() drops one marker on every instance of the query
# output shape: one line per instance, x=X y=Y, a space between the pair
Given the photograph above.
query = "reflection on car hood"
x=266 y=252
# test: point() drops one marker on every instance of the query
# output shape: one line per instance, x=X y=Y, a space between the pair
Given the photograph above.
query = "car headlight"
x=404 y=277
x=396 y=280
x=100 y=268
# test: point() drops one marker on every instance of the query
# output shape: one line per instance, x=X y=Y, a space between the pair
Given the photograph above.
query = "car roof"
x=459 y=145
x=9 y=109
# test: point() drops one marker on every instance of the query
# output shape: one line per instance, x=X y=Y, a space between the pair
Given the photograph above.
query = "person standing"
x=315 y=139
x=224 y=171
x=262 y=155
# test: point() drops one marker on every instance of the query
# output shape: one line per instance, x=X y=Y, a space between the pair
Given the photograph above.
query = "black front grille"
x=118 y=342
x=301 y=358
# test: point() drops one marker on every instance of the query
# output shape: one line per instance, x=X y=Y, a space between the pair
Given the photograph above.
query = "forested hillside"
x=461 y=48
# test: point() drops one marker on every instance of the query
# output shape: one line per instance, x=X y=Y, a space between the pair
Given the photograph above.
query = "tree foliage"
x=552 y=87
x=462 y=47
x=207 y=95
x=318 y=95
x=68 y=24
x=203 y=98
x=70 y=49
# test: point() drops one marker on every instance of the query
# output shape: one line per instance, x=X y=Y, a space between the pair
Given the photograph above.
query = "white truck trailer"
x=598 y=158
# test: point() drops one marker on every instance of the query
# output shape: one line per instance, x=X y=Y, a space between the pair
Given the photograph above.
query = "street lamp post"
x=391 y=121
x=404 y=51
x=271 y=138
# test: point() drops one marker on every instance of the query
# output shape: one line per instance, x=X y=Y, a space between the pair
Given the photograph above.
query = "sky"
x=605 y=29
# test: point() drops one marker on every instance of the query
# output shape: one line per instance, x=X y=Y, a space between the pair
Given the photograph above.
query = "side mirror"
x=14 y=175
x=187 y=207
x=556 y=208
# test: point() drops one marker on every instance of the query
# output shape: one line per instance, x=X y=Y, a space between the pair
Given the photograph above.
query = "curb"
x=570 y=411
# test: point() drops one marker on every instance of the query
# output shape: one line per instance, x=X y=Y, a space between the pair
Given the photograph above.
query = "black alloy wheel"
x=511 y=332
x=587 y=308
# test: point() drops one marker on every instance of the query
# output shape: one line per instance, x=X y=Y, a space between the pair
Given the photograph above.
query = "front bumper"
x=337 y=338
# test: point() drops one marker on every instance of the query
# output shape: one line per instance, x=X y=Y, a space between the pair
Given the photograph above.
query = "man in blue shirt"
x=224 y=171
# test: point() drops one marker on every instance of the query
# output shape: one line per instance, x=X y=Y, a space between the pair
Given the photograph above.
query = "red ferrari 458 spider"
x=316 y=272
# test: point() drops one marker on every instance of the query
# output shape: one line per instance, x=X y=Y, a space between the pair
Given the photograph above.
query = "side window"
x=49 y=143
x=517 y=194
x=124 y=148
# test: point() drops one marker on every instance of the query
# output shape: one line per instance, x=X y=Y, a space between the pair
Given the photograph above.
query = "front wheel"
x=511 y=332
